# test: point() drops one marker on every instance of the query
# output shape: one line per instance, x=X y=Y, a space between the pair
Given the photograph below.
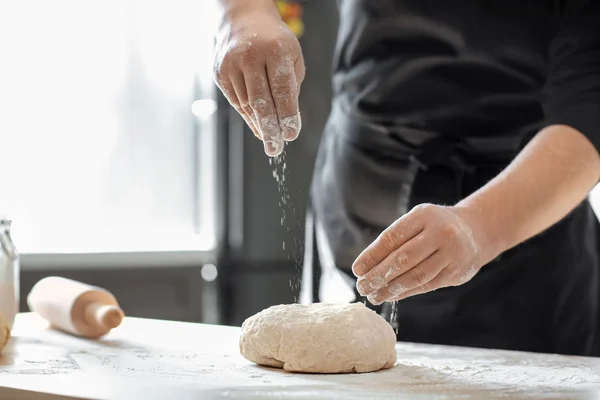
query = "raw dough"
x=4 y=332
x=319 y=338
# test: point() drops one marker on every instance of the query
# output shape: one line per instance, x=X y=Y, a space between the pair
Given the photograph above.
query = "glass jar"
x=9 y=275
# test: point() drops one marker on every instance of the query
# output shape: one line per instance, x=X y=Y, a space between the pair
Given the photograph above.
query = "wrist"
x=234 y=9
x=489 y=241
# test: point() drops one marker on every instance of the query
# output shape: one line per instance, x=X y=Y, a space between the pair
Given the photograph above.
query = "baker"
x=454 y=169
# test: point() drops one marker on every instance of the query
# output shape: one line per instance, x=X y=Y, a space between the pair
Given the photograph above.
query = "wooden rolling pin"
x=75 y=307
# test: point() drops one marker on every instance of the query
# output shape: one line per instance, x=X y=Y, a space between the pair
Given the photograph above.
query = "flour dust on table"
x=319 y=338
x=175 y=360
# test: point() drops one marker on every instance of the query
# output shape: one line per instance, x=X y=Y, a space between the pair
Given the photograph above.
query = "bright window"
x=100 y=149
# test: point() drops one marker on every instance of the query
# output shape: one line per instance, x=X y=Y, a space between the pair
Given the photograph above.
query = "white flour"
x=468 y=275
x=394 y=316
x=244 y=45
x=288 y=217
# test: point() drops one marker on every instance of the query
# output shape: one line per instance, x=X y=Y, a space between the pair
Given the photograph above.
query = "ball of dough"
x=4 y=332
x=319 y=338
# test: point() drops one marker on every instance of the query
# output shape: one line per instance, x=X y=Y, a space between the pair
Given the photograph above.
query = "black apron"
x=432 y=99
x=541 y=296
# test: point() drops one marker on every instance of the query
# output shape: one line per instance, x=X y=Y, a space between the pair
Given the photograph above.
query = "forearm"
x=546 y=181
x=433 y=246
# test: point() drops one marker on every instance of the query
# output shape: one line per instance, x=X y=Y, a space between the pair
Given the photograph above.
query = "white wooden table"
x=149 y=359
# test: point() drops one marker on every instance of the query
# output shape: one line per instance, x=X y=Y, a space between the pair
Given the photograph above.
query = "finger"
x=300 y=70
x=418 y=276
x=231 y=96
x=228 y=91
x=284 y=89
x=261 y=102
x=251 y=124
x=400 y=232
x=401 y=260
x=442 y=280
x=239 y=87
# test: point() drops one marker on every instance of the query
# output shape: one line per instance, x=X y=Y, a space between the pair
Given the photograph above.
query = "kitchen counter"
x=160 y=359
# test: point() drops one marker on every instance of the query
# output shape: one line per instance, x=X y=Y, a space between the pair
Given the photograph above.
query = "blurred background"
x=122 y=166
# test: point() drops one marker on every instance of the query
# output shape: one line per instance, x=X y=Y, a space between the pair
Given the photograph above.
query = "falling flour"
x=288 y=217
x=394 y=316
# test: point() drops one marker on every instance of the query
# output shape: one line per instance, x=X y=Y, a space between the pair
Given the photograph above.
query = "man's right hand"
x=259 y=67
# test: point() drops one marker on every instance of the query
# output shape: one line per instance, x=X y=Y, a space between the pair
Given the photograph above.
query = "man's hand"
x=259 y=67
x=429 y=248
x=433 y=246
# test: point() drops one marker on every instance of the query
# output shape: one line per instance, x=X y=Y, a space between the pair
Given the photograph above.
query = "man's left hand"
x=429 y=248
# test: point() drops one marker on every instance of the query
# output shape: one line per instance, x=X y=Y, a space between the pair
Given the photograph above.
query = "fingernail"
x=290 y=127
x=289 y=135
x=358 y=269
x=375 y=299
x=272 y=148
x=364 y=287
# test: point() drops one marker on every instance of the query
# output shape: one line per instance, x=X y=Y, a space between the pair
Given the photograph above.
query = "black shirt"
x=471 y=67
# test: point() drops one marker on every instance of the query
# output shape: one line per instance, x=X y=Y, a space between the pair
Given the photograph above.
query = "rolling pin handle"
x=108 y=316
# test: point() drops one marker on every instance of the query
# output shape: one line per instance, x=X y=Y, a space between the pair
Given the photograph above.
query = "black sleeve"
x=572 y=95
